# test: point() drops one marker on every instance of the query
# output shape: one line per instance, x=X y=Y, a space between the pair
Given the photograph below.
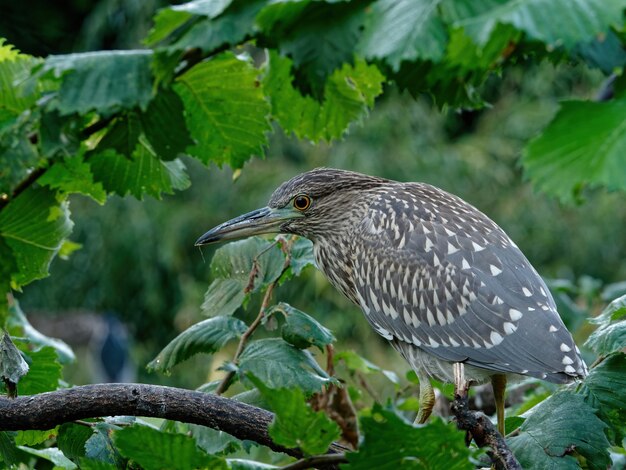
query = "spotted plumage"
x=432 y=274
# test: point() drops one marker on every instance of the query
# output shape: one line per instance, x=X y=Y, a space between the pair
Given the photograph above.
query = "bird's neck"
x=334 y=258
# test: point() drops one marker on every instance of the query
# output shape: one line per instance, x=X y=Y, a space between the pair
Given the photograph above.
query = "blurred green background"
x=138 y=260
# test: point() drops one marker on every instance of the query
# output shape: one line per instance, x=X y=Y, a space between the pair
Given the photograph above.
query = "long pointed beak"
x=257 y=222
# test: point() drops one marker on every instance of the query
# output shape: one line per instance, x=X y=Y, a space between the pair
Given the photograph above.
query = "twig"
x=316 y=461
x=225 y=383
x=481 y=429
x=367 y=387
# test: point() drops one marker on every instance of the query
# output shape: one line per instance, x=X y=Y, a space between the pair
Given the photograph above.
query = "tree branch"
x=481 y=429
x=47 y=410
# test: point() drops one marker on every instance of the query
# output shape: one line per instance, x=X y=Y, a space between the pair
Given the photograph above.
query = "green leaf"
x=73 y=175
x=122 y=136
x=20 y=156
x=605 y=390
x=59 y=135
x=473 y=63
x=213 y=441
x=15 y=94
x=166 y=21
x=9 y=452
x=611 y=334
x=236 y=260
x=88 y=464
x=19 y=325
x=302 y=330
x=553 y=22
x=583 y=145
x=104 y=81
x=99 y=446
x=208 y=8
x=604 y=52
x=207 y=337
x=225 y=110
x=142 y=174
x=51 y=454
x=12 y=365
x=232 y=265
x=7 y=268
x=348 y=94
x=211 y=34
x=164 y=125
x=295 y=423
x=240 y=464
x=558 y=429
x=34 y=226
x=156 y=450
x=34 y=437
x=44 y=373
x=72 y=439
x=294 y=28
x=223 y=297
x=289 y=367
x=433 y=446
x=354 y=362
x=403 y=30
x=301 y=255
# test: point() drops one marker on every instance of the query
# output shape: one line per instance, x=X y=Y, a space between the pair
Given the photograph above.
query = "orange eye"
x=302 y=202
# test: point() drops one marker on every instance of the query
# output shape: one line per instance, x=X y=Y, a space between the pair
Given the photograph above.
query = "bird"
x=433 y=275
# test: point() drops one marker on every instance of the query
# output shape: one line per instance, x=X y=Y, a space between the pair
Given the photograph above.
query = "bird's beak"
x=258 y=222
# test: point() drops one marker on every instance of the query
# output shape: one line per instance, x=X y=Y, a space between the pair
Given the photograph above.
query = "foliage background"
x=137 y=258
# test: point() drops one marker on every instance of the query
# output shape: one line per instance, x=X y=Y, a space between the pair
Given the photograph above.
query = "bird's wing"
x=432 y=271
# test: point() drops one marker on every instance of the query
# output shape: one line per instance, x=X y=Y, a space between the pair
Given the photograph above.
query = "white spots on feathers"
x=374 y=300
x=570 y=370
x=494 y=270
x=436 y=261
x=477 y=247
x=567 y=360
x=453 y=249
x=428 y=246
x=565 y=347
x=509 y=328
x=496 y=338
x=383 y=332
x=430 y=317
x=515 y=314
x=526 y=292
x=441 y=318
x=552 y=329
x=543 y=292
x=465 y=264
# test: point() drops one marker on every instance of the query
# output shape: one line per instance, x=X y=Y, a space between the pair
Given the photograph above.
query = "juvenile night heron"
x=432 y=274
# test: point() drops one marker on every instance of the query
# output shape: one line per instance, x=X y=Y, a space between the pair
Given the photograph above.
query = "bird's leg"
x=427 y=399
x=498 y=382
x=461 y=386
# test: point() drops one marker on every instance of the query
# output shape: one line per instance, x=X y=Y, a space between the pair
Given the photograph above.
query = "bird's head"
x=319 y=202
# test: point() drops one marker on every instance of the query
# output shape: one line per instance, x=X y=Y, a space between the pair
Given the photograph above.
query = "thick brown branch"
x=47 y=410
x=481 y=429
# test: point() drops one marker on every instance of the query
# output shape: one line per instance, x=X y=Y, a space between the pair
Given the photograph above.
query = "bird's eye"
x=302 y=202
